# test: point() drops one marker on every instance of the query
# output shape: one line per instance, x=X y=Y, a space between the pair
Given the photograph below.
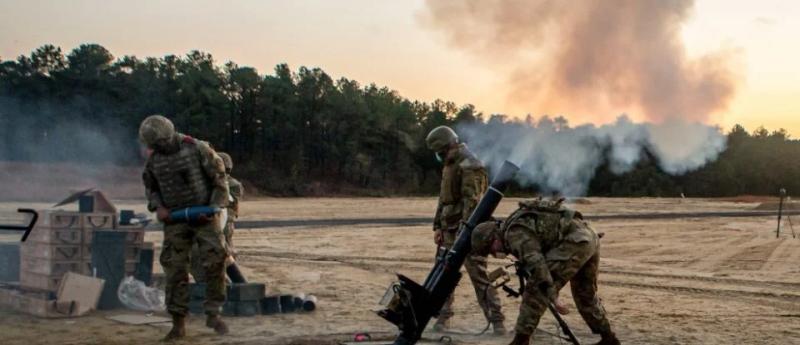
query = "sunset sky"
x=387 y=42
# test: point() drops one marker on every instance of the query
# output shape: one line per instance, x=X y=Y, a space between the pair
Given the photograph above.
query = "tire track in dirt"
x=752 y=257
x=714 y=256
x=787 y=249
x=794 y=298
x=729 y=281
x=325 y=257
x=361 y=262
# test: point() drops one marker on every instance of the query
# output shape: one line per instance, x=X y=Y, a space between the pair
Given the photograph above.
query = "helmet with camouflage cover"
x=155 y=128
x=226 y=160
x=440 y=138
x=482 y=237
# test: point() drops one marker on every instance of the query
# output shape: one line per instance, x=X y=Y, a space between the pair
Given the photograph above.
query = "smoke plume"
x=48 y=149
x=591 y=59
x=556 y=157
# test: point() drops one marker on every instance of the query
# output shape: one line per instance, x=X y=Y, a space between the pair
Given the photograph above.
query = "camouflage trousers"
x=198 y=271
x=228 y=232
x=477 y=272
x=177 y=258
x=578 y=264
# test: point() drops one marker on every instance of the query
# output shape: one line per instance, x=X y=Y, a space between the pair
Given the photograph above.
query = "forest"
x=301 y=132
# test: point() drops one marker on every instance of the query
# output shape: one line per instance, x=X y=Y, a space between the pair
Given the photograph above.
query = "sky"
x=387 y=43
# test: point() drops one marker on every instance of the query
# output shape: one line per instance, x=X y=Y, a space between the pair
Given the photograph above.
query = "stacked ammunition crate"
x=61 y=242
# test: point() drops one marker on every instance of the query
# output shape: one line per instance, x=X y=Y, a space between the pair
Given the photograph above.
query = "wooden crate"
x=54 y=252
x=36 y=303
x=45 y=282
x=52 y=267
x=60 y=220
x=68 y=236
x=99 y=220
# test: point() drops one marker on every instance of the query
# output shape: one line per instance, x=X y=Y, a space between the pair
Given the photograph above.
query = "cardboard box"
x=82 y=289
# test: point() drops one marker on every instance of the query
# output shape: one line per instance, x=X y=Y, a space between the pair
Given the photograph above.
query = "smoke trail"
x=557 y=157
x=596 y=58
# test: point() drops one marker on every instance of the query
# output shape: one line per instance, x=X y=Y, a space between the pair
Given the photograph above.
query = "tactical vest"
x=548 y=220
x=181 y=179
x=450 y=191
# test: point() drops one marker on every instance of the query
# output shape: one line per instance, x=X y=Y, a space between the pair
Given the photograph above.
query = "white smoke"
x=556 y=157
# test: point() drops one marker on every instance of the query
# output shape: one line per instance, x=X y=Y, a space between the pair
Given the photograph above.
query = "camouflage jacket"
x=237 y=192
x=535 y=228
x=192 y=176
x=464 y=180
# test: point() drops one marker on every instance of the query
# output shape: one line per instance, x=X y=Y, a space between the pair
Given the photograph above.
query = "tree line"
x=298 y=132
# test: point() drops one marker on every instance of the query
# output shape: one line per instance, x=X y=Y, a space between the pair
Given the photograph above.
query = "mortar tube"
x=310 y=303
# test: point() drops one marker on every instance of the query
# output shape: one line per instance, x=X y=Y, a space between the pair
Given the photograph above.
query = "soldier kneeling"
x=554 y=246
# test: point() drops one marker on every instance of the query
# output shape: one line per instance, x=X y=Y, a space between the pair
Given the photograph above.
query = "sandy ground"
x=682 y=281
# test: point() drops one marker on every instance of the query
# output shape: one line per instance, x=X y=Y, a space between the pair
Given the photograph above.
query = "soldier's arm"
x=152 y=192
x=437 y=224
x=473 y=185
x=237 y=191
x=525 y=246
x=215 y=170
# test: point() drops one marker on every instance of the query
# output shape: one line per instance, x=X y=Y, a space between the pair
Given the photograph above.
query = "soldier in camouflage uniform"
x=232 y=212
x=181 y=172
x=236 y=194
x=464 y=180
x=554 y=245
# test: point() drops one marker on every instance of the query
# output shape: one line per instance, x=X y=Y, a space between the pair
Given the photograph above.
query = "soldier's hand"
x=438 y=237
x=203 y=219
x=162 y=213
x=561 y=308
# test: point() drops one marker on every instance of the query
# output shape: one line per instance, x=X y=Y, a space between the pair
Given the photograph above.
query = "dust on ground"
x=681 y=281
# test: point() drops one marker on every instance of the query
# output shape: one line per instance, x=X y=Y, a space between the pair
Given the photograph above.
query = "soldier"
x=464 y=180
x=232 y=212
x=554 y=246
x=181 y=172
x=236 y=194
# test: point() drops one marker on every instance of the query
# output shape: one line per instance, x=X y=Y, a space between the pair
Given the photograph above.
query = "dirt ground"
x=680 y=281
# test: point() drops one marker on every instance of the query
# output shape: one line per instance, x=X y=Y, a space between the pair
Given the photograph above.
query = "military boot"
x=499 y=328
x=608 y=339
x=441 y=325
x=178 y=330
x=215 y=321
x=521 y=339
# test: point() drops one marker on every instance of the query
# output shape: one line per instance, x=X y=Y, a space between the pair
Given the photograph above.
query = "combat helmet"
x=155 y=128
x=483 y=235
x=227 y=161
x=440 y=138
